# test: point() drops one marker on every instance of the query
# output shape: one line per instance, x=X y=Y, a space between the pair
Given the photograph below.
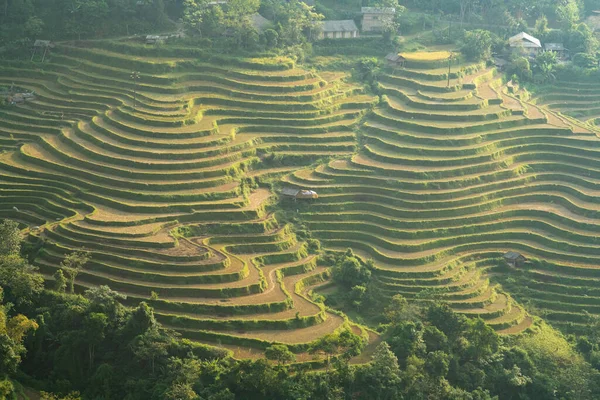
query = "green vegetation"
x=90 y=342
x=155 y=255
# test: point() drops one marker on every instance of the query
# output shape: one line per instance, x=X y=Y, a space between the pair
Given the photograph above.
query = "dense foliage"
x=55 y=19
x=91 y=346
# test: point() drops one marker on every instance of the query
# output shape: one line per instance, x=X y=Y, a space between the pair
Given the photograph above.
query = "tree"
x=446 y=320
x=10 y=238
x=406 y=340
x=368 y=69
x=194 y=12
x=541 y=27
x=465 y=5
x=545 y=64
x=345 y=342
x=585 y=60
x=72 y=265
x=12 y=333
x=18 y=326
x=350 y=272
x=437 y=364
x=383 y=374
x=34 y=27
x=396 y=310
x=150 y=346
x=296 y=21
x=181 y=391
x=567 y=14
x=521 y=68
x=271 y=37
x=280 y=353
x=356 y=295
x=140 y=321
x=60 y=282
x=477 y=45
x=434 y=339
x=20 y=281
x=94 y=326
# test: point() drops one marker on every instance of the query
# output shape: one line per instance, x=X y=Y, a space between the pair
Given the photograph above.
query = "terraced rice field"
x=155 y=178
x=450 y=177
x=434 y=184
x=577 y=101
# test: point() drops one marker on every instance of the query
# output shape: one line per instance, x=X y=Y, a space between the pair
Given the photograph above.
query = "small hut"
x=303 y=194
x=558 y=49
x=500 y=63
x=395 y=60
x=514 y=259
x=153 y=39
x=42 y=45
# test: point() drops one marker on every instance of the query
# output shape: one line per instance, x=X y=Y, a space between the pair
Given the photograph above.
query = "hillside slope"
x=157 y=178
x=452 y=174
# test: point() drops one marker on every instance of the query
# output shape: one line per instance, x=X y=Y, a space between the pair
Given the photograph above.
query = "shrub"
x=313 y=246
x=477 y=45
x=585 y=60
x=350 y=272
x=280 y=353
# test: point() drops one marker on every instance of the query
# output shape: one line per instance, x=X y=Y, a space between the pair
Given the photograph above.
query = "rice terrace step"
x=175 y=193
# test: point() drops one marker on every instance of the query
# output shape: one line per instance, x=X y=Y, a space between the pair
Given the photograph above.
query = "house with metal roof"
x=395 y=60
x=525 y=44
x=299 y=193
x=558 y=49
x=338 y=29
x=514 y=259
x=376 y=18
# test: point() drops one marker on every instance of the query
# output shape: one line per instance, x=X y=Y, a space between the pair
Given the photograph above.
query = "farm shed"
x=376 y=18
x=395 y=60
x=514 y=259
x=500 y=63
x=153 y=39
x=526 y=43
x=300 y=193
x=558 y=49
x=42 y=44
x=338 y=29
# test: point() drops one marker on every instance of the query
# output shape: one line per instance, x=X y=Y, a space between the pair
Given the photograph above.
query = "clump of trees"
x=292 y=23
x=477 y=45
x=80 y=19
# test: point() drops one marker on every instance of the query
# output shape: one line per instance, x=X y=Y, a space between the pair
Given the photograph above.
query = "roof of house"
x=290 y=191
x=554 y=46
x=259 y=22
x=525 y=40
x=394 y=57
x=378 y=10
x=512 y=255
x=346 y=25
x=500 y=62
x=43 y=43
